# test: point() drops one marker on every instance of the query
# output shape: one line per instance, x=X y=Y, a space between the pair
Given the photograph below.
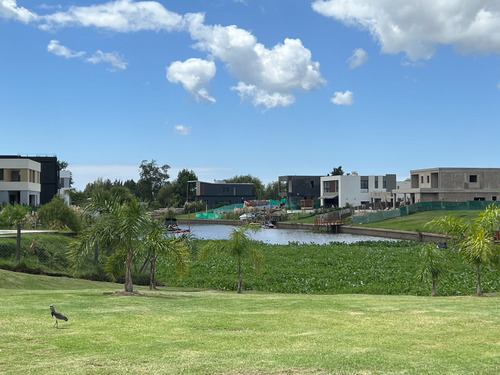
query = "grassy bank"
x=200 y=332
x=418 y=221
x=379 y=267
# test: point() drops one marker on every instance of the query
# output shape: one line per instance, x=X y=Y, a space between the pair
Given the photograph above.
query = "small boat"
x=269 y=225
x=171 y=224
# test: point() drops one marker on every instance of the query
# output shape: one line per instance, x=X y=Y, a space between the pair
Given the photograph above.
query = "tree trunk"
x=152 y=279
x=479 y=290
x=240 y=289
x=128 y=273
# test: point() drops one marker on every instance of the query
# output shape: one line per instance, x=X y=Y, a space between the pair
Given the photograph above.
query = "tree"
x=161 y=247
x=474 y=240
x=120 y=226
x=271 y=190
x=432 y=265
x=337 y=171
x=152 y=178
x=240 y=246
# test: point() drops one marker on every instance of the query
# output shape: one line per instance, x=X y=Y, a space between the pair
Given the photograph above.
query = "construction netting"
x=217 y=213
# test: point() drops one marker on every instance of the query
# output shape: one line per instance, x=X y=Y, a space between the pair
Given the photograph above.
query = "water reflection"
x=277 y=236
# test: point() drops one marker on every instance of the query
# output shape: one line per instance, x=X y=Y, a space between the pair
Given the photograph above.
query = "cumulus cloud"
x=417 y=28
x=182 y=129
x=9 y=9
x=358 y=58
x=343 y=98
x=59 y=50
x=266 y=76
x=119 y=16
x=194 y=75
x=113 y=58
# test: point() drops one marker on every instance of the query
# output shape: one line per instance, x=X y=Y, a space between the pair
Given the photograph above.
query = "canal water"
x=277 y=236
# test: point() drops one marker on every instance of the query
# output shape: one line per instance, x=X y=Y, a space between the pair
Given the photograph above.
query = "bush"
x=58 y=215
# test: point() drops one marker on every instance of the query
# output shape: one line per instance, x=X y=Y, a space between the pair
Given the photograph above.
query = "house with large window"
x=220 y=193
x=452 y=185
x=299 y=191
x=356 y=190
x=20 y=181
x=32 y=180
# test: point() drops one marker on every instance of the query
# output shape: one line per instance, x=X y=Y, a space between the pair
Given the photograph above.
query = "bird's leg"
x=55 y=324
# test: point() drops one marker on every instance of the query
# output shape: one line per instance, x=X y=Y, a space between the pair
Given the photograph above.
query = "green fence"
x=217 y=213
x=421 y=207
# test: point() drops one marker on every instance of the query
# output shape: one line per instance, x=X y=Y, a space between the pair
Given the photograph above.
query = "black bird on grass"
x=57 y=315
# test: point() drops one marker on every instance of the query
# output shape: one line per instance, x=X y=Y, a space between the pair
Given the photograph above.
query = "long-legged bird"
x=57 y=315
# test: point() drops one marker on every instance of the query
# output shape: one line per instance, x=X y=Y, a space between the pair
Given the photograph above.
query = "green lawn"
x=205 y=332
x=417 y=221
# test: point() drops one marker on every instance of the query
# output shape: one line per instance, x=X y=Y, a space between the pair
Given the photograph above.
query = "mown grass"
x=418 y=221
x=202 y=332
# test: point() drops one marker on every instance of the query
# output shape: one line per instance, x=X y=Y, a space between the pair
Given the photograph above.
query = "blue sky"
x=260 y=87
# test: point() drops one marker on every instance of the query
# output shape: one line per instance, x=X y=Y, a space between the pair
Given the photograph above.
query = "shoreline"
x=346 y=229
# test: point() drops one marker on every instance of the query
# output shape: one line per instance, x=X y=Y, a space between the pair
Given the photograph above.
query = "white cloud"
x=194 y=75
x=417 y=27
x=182 y=129
x=358 y=58
x=9 y=9
x=59 y=50
x=120 y=16
x=263 y=73
x=113 y=58
x=343 y=98
x=267 y=76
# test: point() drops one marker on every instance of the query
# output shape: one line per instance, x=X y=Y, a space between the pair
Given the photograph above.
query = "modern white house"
x=356 y=190
x=20 y=181
x=65 y=185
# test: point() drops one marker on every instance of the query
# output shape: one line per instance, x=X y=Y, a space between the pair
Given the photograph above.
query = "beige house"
x=20 y=181
x=452 y=185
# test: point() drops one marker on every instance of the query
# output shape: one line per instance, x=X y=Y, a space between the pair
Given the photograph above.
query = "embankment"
x=347 y=229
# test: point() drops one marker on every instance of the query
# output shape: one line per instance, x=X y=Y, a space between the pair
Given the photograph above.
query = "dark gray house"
x=298 y=188
x=220 y=193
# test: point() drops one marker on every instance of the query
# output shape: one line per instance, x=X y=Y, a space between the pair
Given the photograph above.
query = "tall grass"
x=372 y=267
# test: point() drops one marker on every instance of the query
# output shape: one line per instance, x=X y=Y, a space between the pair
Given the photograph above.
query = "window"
x=376 y=182
x=15 y=176
x=326 y=186
x=428 y=179
x=473 y=178
x=422 y=179
x=1 y=174
x=364 y=183
x=494 y=198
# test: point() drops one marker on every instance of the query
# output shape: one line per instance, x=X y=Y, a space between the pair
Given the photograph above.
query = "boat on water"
x=269 y=225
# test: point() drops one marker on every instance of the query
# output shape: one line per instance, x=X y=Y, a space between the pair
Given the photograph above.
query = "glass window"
x=364 y=184
x=1 y=174
x=15 y=176
x=473 y=178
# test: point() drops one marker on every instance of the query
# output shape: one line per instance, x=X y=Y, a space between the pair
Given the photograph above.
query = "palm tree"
x=474 y=240
x=160 y=246
x=240 y=246
x=432 y=265
x=118 y=226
